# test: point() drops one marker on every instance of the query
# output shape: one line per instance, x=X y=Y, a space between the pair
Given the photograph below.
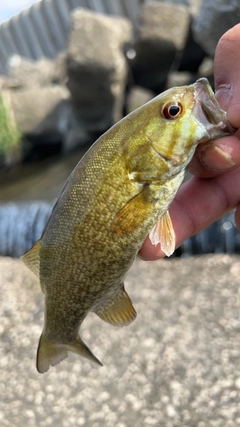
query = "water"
x=221 y=237
x=21 y=224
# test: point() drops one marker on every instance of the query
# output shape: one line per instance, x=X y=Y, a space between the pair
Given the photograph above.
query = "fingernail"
x=214 y=157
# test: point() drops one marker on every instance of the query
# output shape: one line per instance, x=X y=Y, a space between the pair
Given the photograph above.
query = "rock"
x=150 y=63
x=10 y=137
x=137 y=97
x=214 y=19
x=40 y=112
x=27 y=73
x=164 y=21
x=195 y=6
x=97 y=68
x=77 y=134
x=193 y=54
x=59 y=75
x=179 y=78
x=161 y=34
x=7 y=82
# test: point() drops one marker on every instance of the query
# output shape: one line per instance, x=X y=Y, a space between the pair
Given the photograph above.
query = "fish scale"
x=119 y=192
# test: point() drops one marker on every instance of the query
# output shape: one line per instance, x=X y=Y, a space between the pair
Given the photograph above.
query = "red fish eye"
x=172 y=110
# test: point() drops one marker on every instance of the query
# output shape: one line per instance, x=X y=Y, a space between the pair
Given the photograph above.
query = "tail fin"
x=50 y=354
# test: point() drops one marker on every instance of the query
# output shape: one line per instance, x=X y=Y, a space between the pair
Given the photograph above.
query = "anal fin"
x=118 y=311
x=163 y=233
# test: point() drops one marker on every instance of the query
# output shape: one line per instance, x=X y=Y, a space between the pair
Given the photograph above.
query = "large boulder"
x=136 y=97
x=97 y=68
x=193 y=54
x=164 y=21
x=40 y=113
x=27 y=73
x=36 y=102
x=162 y=32
x=214 y=19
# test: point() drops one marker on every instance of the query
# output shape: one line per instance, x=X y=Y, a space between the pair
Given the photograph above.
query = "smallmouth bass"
x=118 y=193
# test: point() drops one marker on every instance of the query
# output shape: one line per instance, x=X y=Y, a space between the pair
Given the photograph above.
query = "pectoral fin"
x=163 y=233
x=134 y=213
x=119 y=311
x=32 y=258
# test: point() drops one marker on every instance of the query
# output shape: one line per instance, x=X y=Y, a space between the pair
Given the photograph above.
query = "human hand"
x=215 y=187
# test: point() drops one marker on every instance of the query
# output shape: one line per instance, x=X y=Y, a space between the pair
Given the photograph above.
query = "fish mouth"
x=209 y=112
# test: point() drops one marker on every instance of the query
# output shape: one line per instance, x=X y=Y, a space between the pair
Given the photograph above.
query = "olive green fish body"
x=116 y=195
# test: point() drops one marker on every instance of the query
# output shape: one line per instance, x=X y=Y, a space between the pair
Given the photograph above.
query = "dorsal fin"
x=118 y=311
x=163 y=233
x=32 y=258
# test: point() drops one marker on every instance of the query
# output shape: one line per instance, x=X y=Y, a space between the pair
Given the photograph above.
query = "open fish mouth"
x=208 y=111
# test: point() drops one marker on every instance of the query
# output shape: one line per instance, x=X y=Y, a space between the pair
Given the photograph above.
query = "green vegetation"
x=10 y=136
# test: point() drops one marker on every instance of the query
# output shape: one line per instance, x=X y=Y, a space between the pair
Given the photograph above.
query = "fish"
x=117 y=195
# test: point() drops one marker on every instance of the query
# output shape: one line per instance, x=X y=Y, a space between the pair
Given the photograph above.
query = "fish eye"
x=172 y=110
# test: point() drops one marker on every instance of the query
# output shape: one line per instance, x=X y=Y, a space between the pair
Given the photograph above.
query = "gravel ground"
x=177 y=365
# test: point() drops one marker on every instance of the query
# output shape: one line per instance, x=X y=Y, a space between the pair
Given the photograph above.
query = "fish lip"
x=209 y=112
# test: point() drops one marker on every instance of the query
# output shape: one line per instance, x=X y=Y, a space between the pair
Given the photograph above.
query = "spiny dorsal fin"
x=133 y=213
x=32 y=258
x=119 y=311
x=163 y=233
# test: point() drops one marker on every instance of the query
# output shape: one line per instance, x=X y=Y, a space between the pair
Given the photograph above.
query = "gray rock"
x=214 y=19
x=59 y=75
x=7 y=82
x=166 y=22
x=177 y=78
x=28 y=73
x=77 y=134
x=162 y=32
x=177 y=365
x=136 y=97
x=40 y=110
x=195 y=6
x=97 y=67
x=192 y=56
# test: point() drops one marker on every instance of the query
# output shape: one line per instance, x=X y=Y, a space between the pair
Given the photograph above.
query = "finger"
x=237 y=217
x=217 y=157
x=226 y=72
x=198 y=204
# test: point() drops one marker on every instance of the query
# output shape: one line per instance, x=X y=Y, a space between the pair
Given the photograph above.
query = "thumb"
x=226 y=74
